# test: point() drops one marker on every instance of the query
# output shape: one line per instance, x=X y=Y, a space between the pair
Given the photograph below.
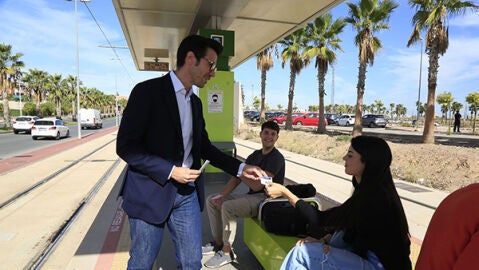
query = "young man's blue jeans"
x=184 y=225
x=335 y=255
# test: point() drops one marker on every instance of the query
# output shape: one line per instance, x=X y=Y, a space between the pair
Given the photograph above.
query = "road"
x=17 y=144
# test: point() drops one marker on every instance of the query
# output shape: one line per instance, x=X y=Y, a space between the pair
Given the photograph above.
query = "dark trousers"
x=457 y=125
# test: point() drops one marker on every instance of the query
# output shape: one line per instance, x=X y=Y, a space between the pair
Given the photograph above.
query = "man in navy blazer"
x=162 y=138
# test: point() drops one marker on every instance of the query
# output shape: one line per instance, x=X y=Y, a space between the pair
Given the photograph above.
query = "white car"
x=346 y=120
x=24 y=123
x=50 y=128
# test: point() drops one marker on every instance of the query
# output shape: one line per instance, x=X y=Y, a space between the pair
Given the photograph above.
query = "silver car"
x=374 y=120
x=346 y=120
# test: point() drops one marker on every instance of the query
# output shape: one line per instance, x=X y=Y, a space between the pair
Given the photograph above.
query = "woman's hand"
x=308 y=239
x=324 y=240
x=274 y=190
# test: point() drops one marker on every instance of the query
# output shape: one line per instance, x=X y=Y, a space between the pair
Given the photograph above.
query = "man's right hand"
x=253 y=172
x=184 y=175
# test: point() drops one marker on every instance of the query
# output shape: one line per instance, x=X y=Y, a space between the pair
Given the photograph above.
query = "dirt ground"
x=447 y=165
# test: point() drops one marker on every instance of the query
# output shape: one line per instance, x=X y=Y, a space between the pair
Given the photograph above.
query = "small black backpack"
x=280 y=217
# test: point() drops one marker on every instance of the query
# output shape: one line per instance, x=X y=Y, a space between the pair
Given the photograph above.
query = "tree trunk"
x=321 y=77
x=59 y=107
x=74 y=111
x=428 y=133
x=289 y=120
x=262 y=117
x=6 y=107
x=358 y=129
x=6 y=111
x=474 y=123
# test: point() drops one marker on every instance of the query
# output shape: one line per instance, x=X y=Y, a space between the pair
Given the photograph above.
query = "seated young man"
x=225 y=208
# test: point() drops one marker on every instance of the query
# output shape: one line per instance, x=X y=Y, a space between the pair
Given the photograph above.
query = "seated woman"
x=452 y=237
x=370 y=228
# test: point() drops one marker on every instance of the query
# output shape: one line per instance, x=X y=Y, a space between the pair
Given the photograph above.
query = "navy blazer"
x=150 y=142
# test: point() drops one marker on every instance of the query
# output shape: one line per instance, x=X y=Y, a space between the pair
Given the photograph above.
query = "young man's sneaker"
x=220 y=259
x=210 y=248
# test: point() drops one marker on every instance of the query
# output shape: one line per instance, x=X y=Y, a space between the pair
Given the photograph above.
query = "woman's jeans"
x=184 y=225
x=335 y=255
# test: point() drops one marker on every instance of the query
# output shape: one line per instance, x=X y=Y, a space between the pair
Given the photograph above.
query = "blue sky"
x=44 y=31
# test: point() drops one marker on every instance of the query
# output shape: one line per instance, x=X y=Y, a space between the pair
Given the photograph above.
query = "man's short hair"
x=198 y=45
x=271 y=125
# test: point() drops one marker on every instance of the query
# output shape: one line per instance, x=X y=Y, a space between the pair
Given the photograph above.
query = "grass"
x=5 y=130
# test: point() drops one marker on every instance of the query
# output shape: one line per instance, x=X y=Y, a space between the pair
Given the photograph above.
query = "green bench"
x=268 y=248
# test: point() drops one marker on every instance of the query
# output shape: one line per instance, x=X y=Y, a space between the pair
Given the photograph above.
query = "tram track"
x=33 y=220
x=49 y=177
x=46 y=254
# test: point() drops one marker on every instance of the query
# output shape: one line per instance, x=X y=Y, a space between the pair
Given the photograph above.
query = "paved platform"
x=100 y=237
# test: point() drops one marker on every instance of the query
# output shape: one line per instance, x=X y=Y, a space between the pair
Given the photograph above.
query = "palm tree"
x=432 y=17
x=368 y=18
x=292 y=46
x=445 y=99
x=70 y=84
x=56 y=89
x=9 y=69
x=322 y=36
x=473 y=100
x=391 y=109
x=36 y=80
x=264 y=61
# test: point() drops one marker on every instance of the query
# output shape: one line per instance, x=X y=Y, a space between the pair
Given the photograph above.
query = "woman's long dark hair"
x=376 y=155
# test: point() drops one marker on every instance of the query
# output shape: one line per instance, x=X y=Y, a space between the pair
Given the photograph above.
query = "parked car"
x=254 y=116
x=282 y=119
x=278 y=118
x=309 y=119
x=24 y=124
x=332 y=118
x=374 y=120
x=50 y=128
x=268 y=115
x=247 y=114
x=90 y=118
x=346 y=120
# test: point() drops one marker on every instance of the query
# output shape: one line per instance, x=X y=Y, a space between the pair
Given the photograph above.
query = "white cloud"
x=468 y=20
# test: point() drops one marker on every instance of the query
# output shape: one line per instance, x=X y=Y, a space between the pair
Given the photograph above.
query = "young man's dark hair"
x=198 y=45
x=271 y=125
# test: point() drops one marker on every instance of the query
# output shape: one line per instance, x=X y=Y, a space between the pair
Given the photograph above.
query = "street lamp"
x=116 y=109
x=116 y=94
x=77 y=81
